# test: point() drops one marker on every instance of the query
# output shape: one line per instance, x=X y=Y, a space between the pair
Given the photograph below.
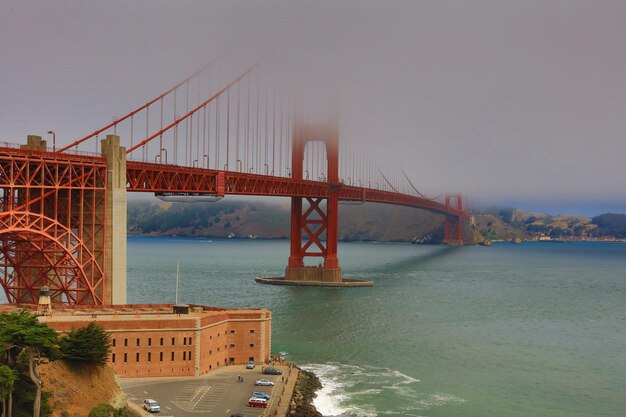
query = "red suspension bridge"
x=63 y=209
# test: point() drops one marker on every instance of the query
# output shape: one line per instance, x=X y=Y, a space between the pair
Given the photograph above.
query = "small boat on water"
x=486 y=242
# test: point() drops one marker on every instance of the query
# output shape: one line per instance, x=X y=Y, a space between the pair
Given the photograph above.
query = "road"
x=217 y=394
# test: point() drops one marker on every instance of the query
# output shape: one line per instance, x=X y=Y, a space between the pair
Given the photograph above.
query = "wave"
x=369 y=391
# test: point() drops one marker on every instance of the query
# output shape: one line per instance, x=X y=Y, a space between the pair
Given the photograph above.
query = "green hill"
x=366 y=222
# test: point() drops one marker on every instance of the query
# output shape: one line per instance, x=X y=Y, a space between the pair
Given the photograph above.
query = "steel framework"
x=52 y=226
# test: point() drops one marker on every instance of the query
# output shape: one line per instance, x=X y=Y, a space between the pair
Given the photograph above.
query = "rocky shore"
x=303 y=394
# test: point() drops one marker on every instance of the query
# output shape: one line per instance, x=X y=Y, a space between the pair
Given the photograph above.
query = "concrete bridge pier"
x=115 y=220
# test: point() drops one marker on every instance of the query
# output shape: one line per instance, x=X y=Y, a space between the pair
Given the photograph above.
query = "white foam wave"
x=357 y=391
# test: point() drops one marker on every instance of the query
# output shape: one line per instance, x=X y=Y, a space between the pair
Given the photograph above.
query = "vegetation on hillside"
x=107 y=410
x=366 y=222
x=509 y=223
x=24 y=344
x=89 y=345
x=610 y=224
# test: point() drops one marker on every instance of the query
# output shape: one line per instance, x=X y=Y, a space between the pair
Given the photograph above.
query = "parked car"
x=151 y=405
x=263 y=395
x=238 y=415
x=271 y=371
x=257 y=402
x=265 y=382
x=250 y=365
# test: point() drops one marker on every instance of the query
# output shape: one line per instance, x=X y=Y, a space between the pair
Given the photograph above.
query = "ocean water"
x=536 y=329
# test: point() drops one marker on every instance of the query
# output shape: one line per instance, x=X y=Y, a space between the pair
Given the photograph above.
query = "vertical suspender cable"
x=217 y=133
x=237 y=161
x=227 y=166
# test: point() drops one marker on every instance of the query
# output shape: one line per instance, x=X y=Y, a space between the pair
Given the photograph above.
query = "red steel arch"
x=52 y=225
x=38 y=251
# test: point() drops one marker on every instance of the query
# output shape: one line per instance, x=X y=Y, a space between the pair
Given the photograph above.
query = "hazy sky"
x=510 y=102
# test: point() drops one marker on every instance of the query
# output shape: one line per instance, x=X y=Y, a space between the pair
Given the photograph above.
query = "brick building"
x=154 y=340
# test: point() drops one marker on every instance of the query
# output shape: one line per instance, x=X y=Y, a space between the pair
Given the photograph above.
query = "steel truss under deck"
x=52 y=226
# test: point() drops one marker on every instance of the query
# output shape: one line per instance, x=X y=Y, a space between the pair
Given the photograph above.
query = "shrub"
x=102 y=410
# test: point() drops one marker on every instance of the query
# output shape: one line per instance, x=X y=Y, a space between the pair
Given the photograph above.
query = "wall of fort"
x=152 y=340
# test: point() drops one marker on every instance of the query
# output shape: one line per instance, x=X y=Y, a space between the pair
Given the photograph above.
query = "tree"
x=87 y=345
x=23 y=336
x=102 y=410
x=7 y=378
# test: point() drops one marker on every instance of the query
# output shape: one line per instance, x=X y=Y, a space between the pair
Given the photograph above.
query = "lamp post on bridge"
x=54 y=140
x=164 y=150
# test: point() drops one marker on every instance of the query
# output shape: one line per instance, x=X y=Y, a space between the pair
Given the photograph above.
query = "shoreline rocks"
x=303 y=394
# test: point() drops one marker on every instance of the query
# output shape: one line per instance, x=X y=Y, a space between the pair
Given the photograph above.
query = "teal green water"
x=536 y=329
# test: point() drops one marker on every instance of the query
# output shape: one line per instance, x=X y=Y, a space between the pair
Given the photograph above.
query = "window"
x=189 y=355
x=149 y=341
x=210 y=352
x=137 y=341
x=184 y=356
x=161 y=341
x=232 y=345
x=232 y=331
x=218 y=349
x=251 y=359
x=189 y=339
x=125 y=342
x=173 y=341
x=161 y=356
x=251 y=330
x=231 y=360
x=113 y=358
x=210 y=337
x=113 y=342
x=149 y=356
x=137 y=357
x=251 y=344
x=125 y=357
x=172 y=355
x=184 y=340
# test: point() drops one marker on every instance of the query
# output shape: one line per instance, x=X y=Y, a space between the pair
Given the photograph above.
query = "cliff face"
x=76 y=391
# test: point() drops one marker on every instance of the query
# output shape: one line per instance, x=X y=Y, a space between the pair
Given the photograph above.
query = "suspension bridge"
x=219 y=132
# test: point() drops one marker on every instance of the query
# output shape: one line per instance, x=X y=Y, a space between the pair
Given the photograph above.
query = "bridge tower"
x=309 y=223
x=453 y=226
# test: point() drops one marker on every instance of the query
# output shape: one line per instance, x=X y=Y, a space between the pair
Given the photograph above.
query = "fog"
x=509 y=102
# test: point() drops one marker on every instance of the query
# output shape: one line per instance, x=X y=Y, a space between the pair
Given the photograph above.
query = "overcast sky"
x=511 y=102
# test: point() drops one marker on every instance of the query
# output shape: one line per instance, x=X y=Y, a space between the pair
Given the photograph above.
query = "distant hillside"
x=508 y=223
x=367 y=222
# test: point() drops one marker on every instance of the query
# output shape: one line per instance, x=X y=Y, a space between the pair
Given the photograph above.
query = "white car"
x=151 y=406
x=265 y=382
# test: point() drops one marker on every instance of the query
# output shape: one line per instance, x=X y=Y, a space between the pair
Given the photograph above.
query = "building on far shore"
x=152 y=340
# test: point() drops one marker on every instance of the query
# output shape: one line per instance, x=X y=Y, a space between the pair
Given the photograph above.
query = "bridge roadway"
x=167 y=178
x=149 y=177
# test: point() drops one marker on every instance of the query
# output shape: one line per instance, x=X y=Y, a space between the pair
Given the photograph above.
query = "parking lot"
x=218 y=394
